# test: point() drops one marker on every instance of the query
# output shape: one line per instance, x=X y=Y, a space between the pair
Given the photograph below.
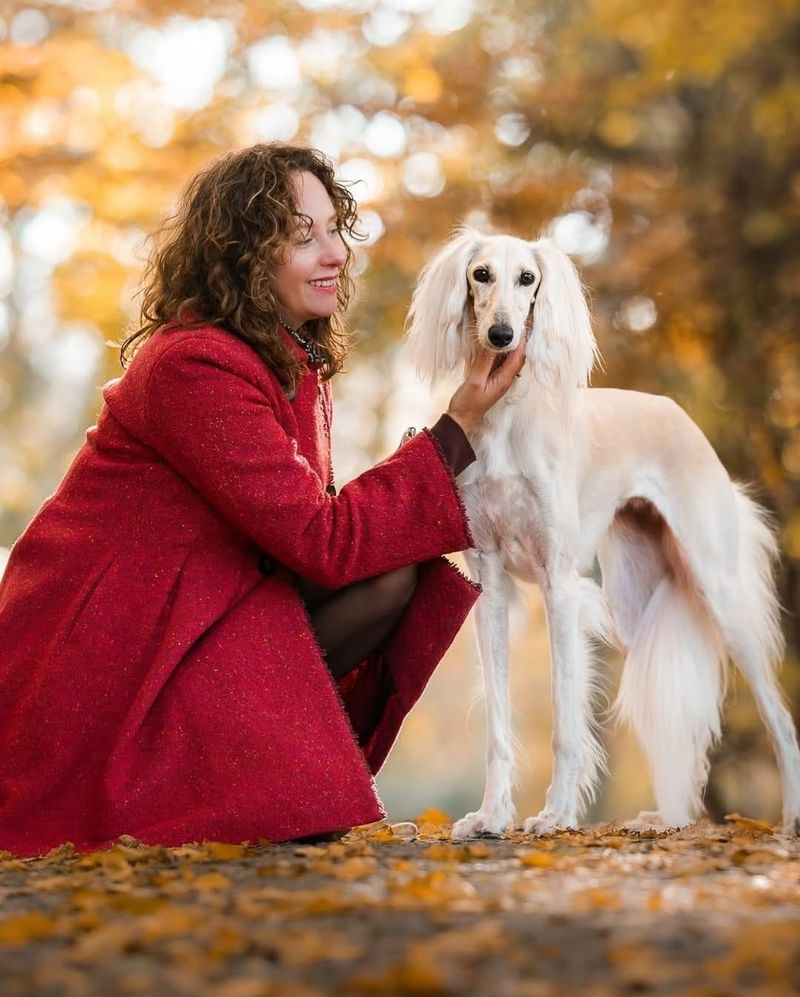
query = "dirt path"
x=711 y=911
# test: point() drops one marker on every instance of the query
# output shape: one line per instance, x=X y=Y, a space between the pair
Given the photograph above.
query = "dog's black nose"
x=500 y=335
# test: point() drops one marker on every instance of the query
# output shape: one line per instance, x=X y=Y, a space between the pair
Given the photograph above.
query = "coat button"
x=331 y=489
x=266 y=565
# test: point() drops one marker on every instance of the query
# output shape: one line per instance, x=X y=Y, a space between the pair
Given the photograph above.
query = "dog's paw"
x=546 y=822
x=651 y=820
x=481 y=825
x=791 y=825
x=645 y=820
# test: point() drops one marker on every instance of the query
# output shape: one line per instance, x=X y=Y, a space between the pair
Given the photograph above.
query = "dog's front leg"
x=576 y=752
x=496 y=812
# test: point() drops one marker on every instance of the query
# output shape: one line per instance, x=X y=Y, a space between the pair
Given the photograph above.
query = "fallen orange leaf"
x=23 y=928
x=433 y=815
x=749 y=823
x=537 y=860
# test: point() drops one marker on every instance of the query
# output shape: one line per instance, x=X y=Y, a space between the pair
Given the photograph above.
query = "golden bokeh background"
x=660 y=142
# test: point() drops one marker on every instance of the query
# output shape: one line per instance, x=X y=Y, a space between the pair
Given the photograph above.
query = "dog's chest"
x=505 y=516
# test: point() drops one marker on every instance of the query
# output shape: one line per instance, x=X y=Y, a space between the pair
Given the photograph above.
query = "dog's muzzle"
x=500 y=335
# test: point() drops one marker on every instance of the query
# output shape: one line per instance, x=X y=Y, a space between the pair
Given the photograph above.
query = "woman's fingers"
x=482 y=365
x=500 y=379
x=485 y=385
x=513 y=364
x=484 y=361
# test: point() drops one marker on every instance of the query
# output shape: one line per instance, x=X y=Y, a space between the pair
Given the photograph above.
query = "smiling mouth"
x=326 y=283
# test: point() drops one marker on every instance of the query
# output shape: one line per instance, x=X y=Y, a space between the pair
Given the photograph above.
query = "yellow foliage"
x=619 y=128
x=790 y=536
x=135 y=903
x=680 y=40
x=351 y=869
x=418 y=976
x=598 y=899
x=28 y=926
x=434 y=888
x=749 y=824
x=537 y=860
x=433 y=815
x=456 y=853
x=210 y=882
x=223 y=851
x=170 y=920
x=462 y=925
x=422 y=84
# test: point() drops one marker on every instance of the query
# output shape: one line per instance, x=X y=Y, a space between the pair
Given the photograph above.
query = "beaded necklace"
x=316 y=357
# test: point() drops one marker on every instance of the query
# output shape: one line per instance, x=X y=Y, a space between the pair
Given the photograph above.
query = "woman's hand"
x=483 y=387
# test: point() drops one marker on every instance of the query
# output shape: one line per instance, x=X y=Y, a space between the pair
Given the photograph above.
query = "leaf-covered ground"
x=710 y=911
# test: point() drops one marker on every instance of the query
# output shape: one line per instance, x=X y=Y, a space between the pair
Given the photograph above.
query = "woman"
x=198 y=637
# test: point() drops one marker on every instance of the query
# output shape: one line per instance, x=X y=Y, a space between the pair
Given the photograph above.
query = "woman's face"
x=306 y=282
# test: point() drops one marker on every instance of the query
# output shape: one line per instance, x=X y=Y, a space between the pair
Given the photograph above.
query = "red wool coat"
x=153 y=681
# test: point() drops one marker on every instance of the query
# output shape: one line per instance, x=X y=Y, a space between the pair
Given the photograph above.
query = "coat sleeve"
x=218 y=428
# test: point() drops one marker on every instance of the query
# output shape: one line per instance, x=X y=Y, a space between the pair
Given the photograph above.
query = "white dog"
x=565 y=474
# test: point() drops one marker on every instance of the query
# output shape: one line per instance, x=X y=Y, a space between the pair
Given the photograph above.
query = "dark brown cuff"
x=454 y=443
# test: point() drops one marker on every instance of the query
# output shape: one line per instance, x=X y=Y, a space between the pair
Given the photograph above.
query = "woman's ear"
x=441 y=309
x=562 y=348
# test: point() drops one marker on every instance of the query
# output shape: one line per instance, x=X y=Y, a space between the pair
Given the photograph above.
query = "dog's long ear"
x=562 y=347
x=440 y=308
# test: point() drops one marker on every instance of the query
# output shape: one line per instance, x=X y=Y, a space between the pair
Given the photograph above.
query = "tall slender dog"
x=565 y=474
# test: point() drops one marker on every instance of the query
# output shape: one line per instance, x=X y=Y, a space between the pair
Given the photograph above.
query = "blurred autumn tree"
x=659 y=140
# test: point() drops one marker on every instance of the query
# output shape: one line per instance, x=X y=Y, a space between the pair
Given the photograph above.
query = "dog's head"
x=487 y=291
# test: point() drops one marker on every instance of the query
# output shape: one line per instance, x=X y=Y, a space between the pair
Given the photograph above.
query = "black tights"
x=353 y=621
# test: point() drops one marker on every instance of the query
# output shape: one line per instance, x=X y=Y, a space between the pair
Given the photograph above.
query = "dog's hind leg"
x=673 y=679
x=496 y=812
x=746 y=610
x=778 y=720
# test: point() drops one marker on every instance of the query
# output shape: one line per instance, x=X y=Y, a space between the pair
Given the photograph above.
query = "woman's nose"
x=334 y=251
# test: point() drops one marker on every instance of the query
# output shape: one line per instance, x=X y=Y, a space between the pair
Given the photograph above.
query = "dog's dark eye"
x=481 y=274
x=526 y=278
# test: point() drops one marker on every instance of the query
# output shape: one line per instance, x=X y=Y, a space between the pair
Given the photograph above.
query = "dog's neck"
x=528 y=400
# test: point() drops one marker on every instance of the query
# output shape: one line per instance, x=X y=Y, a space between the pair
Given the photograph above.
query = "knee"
x=393 y=590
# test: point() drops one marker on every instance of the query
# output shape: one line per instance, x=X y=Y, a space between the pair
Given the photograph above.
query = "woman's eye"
x=527 y=278
x=481 y=275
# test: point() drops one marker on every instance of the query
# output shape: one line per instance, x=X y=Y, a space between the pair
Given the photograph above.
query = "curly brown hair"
x=212 y=261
